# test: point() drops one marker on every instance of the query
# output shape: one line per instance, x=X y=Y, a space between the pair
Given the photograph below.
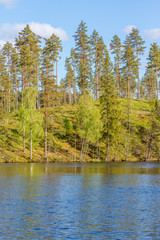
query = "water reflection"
x=80 y=201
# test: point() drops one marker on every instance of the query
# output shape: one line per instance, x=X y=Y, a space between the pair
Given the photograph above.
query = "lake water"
x=80 y=201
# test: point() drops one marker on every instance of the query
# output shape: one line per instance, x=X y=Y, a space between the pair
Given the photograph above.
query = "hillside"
x=66 y=146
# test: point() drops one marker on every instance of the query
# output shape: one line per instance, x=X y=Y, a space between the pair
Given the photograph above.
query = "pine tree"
x=69 y=78
x=98 y=49
x=129 y=68
x=53 y=46
x=73 y=63
x=83 y=51
x=116 y=48
x=149 y=84
x=15 y=70
x=27 y=44
x=48 y=85
x=138 y=45
x=129 y=75
x=154 y=62
x=110 y=111
x=7 y=51
x=63 y=88
x=3 y=84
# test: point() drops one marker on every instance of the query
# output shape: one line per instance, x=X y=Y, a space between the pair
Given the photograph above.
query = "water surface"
x=80 y=201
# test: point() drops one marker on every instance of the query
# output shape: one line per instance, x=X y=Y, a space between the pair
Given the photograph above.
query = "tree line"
x=101 y=89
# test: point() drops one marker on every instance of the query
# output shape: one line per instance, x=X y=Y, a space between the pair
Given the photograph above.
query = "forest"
x=101 y=111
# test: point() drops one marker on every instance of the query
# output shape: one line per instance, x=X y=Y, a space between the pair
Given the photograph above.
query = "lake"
x=80 y=201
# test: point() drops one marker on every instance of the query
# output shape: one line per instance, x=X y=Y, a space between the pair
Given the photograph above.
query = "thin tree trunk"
x=138 y=77
x=75 y=157
x=157 y=81
x=9 y=100
x=9 y=85
x=82 y=149
x=86 y=150
x=45 y=137
x=119 y=76
x=24 y=80
x=97 y=80
x=128 y=87
x=31 y=143
x=107 y=146
x=46 y=105
x=37 y=98
x=64 y=97
x=74 y=85
x=150 y=87
x=24 y=145
x=56 y=71
x=74 y=92
x=107 y=151
x=69 y=92
x=16 y=87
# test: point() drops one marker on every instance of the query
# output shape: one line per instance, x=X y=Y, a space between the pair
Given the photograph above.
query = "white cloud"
x=46 y=30
x=128 y=29
x=8 y=3
x=8 y=32
x=152 y=33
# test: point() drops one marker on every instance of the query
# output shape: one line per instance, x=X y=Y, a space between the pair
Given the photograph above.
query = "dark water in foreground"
x=80 y=201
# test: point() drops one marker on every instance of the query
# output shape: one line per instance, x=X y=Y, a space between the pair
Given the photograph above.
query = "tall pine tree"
x=110 y=111
x=116 y=48
x=83 y=52
x=154 y=63
x=138 y=45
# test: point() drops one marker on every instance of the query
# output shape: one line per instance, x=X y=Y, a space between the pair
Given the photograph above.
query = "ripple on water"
x=80 y=201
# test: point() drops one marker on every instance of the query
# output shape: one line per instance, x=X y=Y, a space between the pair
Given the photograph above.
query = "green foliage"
x=89 y=119
x=68 y=126
x=83 y=54
x=129 y=69
x=32 y=117
x=111 y=111
x=154 y=63
x=116 y=48
x=120 y=122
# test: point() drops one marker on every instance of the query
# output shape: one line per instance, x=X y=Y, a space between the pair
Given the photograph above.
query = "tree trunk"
x=46 y=105
x=16 y=88
x=45 y=137
x=74 y=85
x=37 y=99
x=138 y=78
x=31 y=143
x=74 y=91
x=64 y=97
x=24 y=80
x=75 y=147
x=69 y=92
x=157 y=81
x=119 y=76
x=97 y=80
x=24 y=147
x=56 y=71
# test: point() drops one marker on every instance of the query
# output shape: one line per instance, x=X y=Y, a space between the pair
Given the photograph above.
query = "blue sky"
x=63 y=17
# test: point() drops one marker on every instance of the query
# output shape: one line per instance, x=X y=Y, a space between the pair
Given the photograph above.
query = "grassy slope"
x=62 y=146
